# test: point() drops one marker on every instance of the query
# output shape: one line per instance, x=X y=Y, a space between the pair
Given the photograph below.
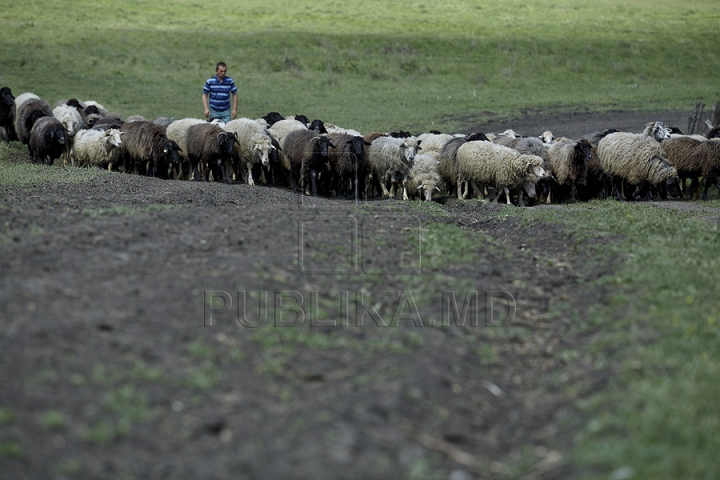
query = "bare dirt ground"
x=112 y=366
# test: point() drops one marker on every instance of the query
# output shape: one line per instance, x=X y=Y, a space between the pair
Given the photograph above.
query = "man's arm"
x=234 y=109
x=205 y=104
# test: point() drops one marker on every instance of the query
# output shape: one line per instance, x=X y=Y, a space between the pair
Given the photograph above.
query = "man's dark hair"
x=220 y=64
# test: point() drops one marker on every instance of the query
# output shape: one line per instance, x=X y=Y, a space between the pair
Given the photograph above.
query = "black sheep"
x=210 y=146
x=272 y=118
x=27 y=114
x=48 y=140
x=7 y=115
x=147 y=150
x=348 y=164
x=307 y=154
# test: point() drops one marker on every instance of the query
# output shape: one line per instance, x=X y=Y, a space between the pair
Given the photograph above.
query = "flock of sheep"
x=319 y=158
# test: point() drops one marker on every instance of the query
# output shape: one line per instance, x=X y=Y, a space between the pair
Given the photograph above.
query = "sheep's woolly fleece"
x=566 y=168
x=498 y=165
x=693 y=156
x=634 y=157
x=96 y=147
x=254 y=141
x=424 y=175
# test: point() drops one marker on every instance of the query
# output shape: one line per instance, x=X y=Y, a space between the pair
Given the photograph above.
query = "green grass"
x=659 y=416
x=368 y=65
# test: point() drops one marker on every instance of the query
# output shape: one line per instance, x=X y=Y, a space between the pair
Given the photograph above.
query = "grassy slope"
x=659 y=417
x=370 y=65
x=376 y=66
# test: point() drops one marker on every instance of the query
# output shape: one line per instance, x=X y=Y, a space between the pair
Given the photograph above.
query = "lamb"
x=101 y=148
x=637 y=158
x=569 y=161
x=209 y=145
x=424 y=177
x=48 y=140
x=7 y=115
x=390 y=160
x=695 y=158
x=178 y=132
x=304 y=152
x=146 y=148
x=499 y=166
x=254 y=145
x=28 y=112
x=348 y=164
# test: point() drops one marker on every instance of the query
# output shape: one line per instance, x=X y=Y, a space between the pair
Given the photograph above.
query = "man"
x=216 y=95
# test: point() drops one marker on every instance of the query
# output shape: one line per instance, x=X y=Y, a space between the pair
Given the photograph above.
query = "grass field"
x=370 y=65
x=419 y=65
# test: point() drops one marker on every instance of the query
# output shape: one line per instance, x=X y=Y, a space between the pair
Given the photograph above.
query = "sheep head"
x=226 y=142
x=170 y=150
x=426 y=190
x=409 y=148
x=584 y=149
x=6 y=96
x=547 y=137
x=657 y=130
x=113 y=138
x=262 y=149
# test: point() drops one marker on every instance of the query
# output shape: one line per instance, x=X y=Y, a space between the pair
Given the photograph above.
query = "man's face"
x=221 y=71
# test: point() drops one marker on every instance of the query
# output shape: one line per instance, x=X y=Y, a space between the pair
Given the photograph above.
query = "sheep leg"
x=458 y=183
x=613 y=181
x=313 y=181
x=250 y=180
x=478 y=190
x=507 y=195
x=573 y=193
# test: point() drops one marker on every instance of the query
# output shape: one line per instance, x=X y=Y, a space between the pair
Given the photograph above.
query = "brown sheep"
x=695 y=158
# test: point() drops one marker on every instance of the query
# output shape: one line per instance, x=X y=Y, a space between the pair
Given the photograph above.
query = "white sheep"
x=330 y=128
x=254 y=145
x=283 y=127
x=499 y=166
x=390 y=160
x=433 y=143
x=424 y=177
x=97 y=148
x=70 y=118
x=638 y=159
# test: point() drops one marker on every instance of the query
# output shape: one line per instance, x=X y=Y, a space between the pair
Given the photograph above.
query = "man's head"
x=221 y=70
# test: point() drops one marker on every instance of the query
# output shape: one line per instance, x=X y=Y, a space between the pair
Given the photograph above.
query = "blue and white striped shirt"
x=219 y=93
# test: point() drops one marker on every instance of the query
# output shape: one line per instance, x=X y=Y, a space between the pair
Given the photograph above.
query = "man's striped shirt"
x=219 y=93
